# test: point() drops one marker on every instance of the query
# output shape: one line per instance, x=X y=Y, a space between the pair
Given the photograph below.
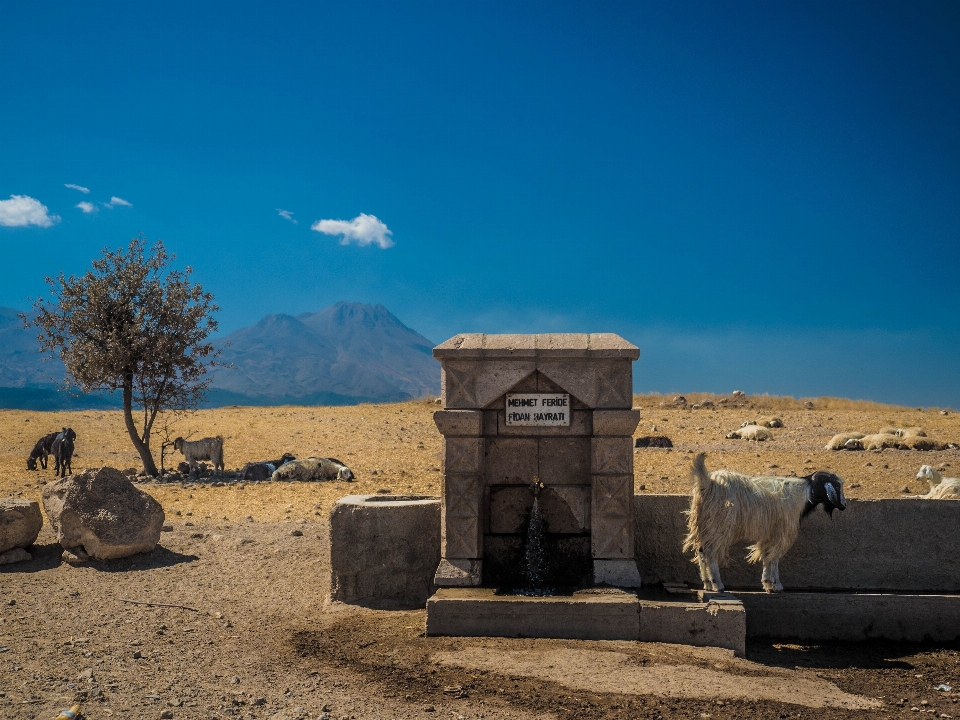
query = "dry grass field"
x=397 y=447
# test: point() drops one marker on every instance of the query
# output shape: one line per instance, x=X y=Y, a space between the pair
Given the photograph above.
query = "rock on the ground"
x=20 y=523
x=14 y=556
x=101 y=512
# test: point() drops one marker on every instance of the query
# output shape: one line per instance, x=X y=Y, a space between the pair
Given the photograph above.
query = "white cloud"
x=22 y=210
x=81 y=188
x=363 y=230
x=287 y=215
x=115 y=202
x=86 y=207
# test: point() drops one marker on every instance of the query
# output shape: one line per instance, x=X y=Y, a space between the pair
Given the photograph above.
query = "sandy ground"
x=256 y=638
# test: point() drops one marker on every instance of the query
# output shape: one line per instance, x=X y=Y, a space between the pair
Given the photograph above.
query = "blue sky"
x=762 y=196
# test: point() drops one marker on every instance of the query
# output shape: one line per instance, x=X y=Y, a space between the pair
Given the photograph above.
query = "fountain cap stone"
x=541 y=345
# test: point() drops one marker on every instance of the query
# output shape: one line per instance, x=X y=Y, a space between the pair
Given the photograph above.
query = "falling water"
x=535 y=553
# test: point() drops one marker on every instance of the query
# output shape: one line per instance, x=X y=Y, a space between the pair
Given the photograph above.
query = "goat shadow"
x=47 y=556
x=838 y=655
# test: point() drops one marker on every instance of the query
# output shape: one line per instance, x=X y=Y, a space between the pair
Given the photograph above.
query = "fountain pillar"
x=553 y=406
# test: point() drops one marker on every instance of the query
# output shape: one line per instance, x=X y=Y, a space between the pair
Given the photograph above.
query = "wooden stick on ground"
x=155 y=604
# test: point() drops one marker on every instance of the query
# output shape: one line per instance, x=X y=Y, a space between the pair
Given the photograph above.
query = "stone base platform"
x=852 y=616
x=593 y=614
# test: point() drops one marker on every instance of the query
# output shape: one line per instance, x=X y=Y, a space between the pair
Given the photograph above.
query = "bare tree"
x=135 y=325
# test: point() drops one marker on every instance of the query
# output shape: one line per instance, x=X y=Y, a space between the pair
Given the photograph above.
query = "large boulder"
x=20 y=523
x=101 y=512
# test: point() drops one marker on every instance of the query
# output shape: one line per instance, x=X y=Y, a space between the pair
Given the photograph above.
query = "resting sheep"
x=40 y=451
x=264 y=470
x=941 y=488
x=839 y=441
x=728 y=507
x=62 y=451
x=875 y=442
x=751 y=432
x=209 y=448
x=653 y=441
x=769 y=421
x=313 y=468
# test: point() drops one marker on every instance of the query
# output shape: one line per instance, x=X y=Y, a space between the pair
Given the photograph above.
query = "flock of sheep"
x=195 y=454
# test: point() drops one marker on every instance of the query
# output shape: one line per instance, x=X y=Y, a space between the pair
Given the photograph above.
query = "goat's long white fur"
x=728 y=507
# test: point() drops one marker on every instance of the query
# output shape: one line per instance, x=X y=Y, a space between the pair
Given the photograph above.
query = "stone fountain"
x=537 y=521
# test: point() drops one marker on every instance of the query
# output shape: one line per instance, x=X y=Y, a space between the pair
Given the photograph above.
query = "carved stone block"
x=510 y=461
x=463 y=423
x=612 y=521
x=461 y=527
x=611 y=455
x=615 y=422
x=564 y=460
x=463 y=455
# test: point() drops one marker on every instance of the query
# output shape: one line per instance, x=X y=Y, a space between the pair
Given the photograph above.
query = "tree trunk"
x=149 y=467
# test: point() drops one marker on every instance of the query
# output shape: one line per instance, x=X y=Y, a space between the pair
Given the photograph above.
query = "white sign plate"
x=541 y=409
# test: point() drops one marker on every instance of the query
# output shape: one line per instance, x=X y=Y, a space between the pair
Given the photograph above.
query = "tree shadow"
x=838 y=655
x=48 y=556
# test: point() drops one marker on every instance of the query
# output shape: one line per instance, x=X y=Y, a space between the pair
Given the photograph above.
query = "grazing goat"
x=40 y=451
x=941 y=488
x=728 y=507
x=204 y=449
x=313 y=468
x=62 y=451
x=264 y=470
x=751 y=432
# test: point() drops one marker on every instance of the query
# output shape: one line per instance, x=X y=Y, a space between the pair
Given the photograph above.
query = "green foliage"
x=135 y=325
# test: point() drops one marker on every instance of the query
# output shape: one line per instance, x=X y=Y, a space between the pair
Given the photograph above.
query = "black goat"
x=40 y=451
x=62 y=450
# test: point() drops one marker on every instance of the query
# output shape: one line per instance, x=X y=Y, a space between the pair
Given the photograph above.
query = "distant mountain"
x=27 y=380
x=345 y=354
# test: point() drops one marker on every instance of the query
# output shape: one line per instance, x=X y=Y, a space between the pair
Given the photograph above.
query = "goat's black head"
x=69 y=434
x=825 y=489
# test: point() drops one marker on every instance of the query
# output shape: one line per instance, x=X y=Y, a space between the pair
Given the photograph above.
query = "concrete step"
x=598 y=614
x=852 y=616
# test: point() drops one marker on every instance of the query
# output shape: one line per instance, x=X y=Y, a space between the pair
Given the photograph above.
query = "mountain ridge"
x=344 y=354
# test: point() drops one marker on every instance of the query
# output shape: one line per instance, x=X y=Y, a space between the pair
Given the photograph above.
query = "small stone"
x=235 y=680
x=138 y=655
x=166 y=715
x=296 y=533
x=75 y=556
x=429 y=708
x=257 y=702
x=905 y=489
x=166 y=528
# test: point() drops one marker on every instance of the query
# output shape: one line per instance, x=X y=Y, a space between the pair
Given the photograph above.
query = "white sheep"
x=751 y=432
x=728 y=507
x=313 y=469
x=838 y=441
x=209 y=448
x=941 y=488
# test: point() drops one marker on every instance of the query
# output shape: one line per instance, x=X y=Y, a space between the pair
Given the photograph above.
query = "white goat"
x=204 y=449
x=728 y=507
x=941 y=488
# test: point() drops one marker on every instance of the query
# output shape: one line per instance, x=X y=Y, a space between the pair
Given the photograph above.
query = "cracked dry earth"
x=256 y=638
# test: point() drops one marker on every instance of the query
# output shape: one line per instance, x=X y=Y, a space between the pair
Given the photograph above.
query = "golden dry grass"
x=400 y=443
